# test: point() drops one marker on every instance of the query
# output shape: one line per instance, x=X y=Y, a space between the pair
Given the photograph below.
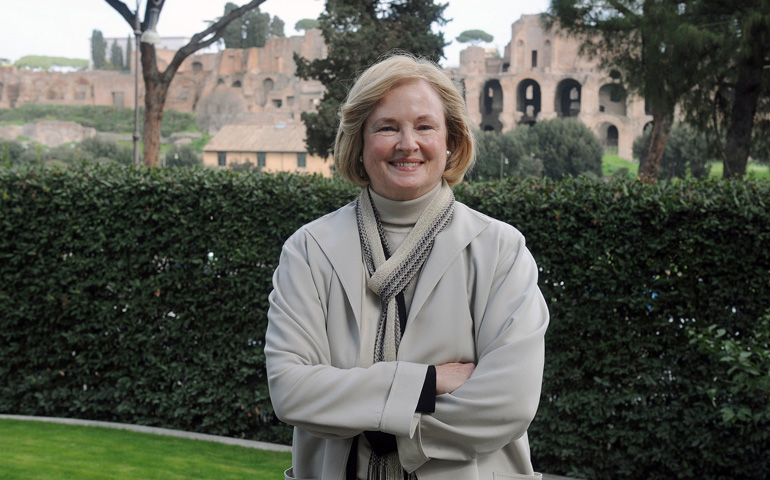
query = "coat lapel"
x=464 y=227
x=337 y=235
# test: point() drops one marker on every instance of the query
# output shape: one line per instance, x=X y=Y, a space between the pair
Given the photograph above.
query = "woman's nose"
x=407 y=141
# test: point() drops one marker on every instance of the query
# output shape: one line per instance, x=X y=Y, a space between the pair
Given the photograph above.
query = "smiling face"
x=405 y=141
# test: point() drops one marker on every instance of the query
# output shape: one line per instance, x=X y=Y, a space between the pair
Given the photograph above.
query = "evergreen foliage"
x=116 y=56
x=276 y=27
x=709 y=57
x=252 y=29
x=90 y=150
x=183 y=156
x=140 y=296
x=233 y=33
x=306 y=24
x=509 y=154
x=552 y=148
x=357 y=33
x=686 y=153
x=474 y=37
x=567 y=148
x=46 y=63
x=129 y=53
x=98 y=50
x=731 y=95
x=102 y=118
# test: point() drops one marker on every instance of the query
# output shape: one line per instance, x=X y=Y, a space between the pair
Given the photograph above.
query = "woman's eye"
x=387 y=128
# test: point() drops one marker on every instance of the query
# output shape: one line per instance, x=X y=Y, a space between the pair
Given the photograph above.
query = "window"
x=118 y=99
x=534 y=58
x=301 y=160
x=261 y=159
x=277 y=103
x=222 y=159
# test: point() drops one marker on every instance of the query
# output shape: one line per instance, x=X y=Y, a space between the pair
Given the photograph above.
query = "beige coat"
x=476 y=300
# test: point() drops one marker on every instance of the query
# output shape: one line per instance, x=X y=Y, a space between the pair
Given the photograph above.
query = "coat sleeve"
x=306 y=389
x=497 y=404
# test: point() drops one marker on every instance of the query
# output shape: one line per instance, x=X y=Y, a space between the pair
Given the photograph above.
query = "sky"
x=62 y=28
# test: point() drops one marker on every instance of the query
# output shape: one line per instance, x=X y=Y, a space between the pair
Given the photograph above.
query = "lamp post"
x=148 y=36
x=137 y=35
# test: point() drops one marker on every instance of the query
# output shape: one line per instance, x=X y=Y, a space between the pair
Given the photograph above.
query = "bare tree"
x=156 y=83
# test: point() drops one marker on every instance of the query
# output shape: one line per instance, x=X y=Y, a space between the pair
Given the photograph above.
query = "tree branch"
x=215 y=30
x=123 y=10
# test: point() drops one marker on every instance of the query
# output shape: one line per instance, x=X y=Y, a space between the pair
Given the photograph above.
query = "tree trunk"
x=747 y=89
x=156 y=84
x=155 y=90
x=650 y=164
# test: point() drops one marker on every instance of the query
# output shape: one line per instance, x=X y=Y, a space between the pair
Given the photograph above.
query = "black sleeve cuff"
x=427 y=402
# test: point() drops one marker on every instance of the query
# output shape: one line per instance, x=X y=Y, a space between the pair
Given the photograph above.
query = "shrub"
x=507 y=154
x=183 y=156
x=139 y=295
x=554 y=148
x=567 y=148
x=686 y=153
x=102 y=118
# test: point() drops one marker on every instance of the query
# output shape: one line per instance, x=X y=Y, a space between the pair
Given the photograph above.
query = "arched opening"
x=547 y=52
x=610 y=137
x=568 y=98
x=237 y=84
x=612 y=99
x=267 y=87
x=491 y=106
x=528 y=101
x=197 y=67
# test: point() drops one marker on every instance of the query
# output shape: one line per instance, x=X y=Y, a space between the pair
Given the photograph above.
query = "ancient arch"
x=547 y=54
x=528 y=100
x=267 y=86
x=491 y=106
x=612 y=99
x=609 y=136
x=568 y=98
x=237 y=84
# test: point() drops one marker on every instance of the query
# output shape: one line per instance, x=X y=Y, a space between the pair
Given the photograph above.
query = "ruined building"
x=540 y=76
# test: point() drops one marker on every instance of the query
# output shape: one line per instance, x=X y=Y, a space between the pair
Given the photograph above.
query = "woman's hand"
x=451 y=376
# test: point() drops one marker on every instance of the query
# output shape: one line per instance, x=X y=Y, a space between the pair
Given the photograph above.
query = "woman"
x=405 y=335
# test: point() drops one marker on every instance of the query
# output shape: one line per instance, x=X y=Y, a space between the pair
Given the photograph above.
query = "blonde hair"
x=371 y=86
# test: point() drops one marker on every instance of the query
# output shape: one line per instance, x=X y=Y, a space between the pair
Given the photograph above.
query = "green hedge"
x=139 y=296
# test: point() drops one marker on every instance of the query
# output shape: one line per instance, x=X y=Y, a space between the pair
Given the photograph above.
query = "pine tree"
x=98 y=50
x=129 y=53
x=706 y=55
x=357 y=33
x=116 y=56
x=234 y=35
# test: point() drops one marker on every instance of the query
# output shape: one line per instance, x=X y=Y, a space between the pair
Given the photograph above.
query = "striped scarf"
x=389 y=275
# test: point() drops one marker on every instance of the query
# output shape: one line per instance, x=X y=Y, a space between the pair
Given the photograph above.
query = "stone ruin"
x=539 y=76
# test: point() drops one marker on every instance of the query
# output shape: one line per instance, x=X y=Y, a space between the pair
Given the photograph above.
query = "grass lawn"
x=41 y=451
x=611 y=164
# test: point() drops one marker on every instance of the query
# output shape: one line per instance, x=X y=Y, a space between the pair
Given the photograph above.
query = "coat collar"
x=337 y=236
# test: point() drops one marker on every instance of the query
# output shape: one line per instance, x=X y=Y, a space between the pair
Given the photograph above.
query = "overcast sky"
x=62 y=28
